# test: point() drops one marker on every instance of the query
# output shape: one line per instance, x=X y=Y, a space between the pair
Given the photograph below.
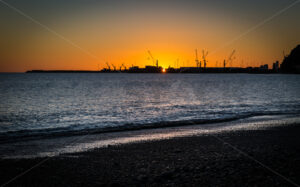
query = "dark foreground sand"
x=188 y=161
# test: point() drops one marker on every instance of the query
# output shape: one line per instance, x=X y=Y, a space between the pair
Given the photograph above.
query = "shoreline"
x=212 y=159
x=24 y=135
x=57 y=145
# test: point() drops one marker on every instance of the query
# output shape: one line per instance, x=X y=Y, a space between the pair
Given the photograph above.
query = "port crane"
x=153 y=60
x=204 y=55
x=108 y=66
x=114 y=67
x=122 y=66
x=231 y=58
x=198 y=63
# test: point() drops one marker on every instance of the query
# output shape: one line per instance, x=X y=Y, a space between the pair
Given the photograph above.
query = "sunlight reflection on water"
x=85 y=143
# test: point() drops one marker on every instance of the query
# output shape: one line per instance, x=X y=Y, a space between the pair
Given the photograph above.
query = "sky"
x=85 y=34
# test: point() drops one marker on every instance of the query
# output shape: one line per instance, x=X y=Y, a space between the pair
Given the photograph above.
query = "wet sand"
x=242 y=158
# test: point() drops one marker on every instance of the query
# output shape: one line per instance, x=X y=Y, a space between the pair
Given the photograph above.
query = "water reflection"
x=54 y=147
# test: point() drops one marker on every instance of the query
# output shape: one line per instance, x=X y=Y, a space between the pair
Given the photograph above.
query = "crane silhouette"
x=155 y=61
x=198 y=63
x=204 y=55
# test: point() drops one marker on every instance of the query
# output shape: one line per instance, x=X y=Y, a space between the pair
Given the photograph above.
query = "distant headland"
x=290 y=64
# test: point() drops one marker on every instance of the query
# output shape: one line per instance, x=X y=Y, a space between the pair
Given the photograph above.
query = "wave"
x=13 y=136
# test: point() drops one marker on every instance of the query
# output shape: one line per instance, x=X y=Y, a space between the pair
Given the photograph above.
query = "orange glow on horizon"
x=93 y=36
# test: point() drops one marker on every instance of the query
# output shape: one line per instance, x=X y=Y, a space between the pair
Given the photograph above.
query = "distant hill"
x=291 y=63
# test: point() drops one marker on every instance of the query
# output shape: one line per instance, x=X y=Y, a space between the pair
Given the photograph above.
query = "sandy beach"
x=240 y=158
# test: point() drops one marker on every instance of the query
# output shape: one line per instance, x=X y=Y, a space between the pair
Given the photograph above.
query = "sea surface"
x=49 y=104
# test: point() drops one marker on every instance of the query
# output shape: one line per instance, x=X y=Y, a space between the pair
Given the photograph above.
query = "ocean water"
x=39 y=105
